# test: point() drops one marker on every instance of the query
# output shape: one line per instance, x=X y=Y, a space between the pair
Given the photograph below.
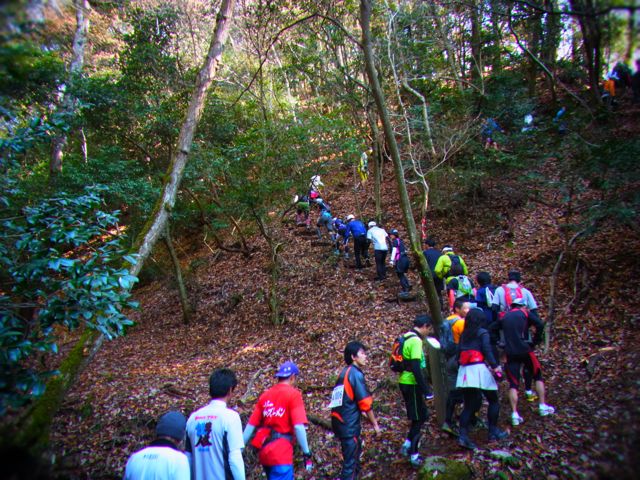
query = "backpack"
x=464 y=287
x=455 y=260
x=396 y=359
x=447 y=345
x=508 y=298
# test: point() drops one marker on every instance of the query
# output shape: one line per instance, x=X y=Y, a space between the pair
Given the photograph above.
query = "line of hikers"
x=487 y=326
x=475 y=338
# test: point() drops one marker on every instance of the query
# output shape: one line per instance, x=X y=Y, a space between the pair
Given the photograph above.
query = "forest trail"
x=162 y=364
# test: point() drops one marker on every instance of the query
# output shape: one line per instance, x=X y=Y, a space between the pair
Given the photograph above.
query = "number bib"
x=336 y=396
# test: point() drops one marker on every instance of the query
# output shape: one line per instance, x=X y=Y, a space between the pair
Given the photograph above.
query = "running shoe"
x=416 y=461
x=404 y=450
x=545 y=410
x=466 y=443
x=449 y=429
x=497 y=434
x=516 y=419
x=531 y=395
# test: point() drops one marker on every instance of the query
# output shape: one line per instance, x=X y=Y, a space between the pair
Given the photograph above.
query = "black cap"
x=422 y=320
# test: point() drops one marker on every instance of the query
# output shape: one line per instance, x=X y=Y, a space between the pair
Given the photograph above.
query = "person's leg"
x=357 y=251
x=493 y=411
x=379 y=256
x=383 y=264
x=472 y=403
x=350 y=455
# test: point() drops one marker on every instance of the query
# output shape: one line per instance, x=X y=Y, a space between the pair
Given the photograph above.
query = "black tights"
x=473 y=402
x=415 y=432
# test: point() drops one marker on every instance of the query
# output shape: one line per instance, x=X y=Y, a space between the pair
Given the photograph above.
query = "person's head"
x=371 y=224
x=461 y=307
x=349 y=218
x=422 y=323
x=431 y=243
x=172 y=426
x=287 y=371
x=514 y=276
x=394 y=232
x=472 y=322
x=456 y=269
x=483 y=278
x=355 y=352
x=222 y=382
x=518 y=303
x=447 y=249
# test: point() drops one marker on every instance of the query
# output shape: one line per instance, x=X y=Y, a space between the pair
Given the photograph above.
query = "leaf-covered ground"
x=163 y=364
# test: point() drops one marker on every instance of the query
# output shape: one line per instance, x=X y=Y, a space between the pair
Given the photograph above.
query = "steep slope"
x=163 y=364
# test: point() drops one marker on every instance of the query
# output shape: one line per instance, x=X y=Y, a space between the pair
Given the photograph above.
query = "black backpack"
x=396 y=359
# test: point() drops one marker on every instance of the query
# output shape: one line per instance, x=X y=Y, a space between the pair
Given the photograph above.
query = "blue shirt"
x=355 y=228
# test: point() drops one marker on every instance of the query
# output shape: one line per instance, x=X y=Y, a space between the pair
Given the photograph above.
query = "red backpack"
x=508 y=298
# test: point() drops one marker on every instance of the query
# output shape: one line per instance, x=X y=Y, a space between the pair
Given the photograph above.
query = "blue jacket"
x=355 y=228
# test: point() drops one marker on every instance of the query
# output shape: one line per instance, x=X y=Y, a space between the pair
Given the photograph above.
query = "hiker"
x=459 y=286
x=279 y=414
x=489 y=129
x=452 y=329
x=519 y=350
x=448 y=258
x=559 y=121
x=378 y=236
x=414 y=387
x=324 y=218
x=400 y=260
x=484 y=297
x=432 y=254
x=339 y=232
x=357 y=229
x=502 y=300
x=475 y=379
x=314 y=187
x=351 y=399
x=163 y=458
x=363 y=167
x=214 y=433
x=609 y=89
x=528 y=123
x=302 y=210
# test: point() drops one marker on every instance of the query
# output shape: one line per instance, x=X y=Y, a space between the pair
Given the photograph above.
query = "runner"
x=413 y=386
x=349 y=400
x=519 y=349
x=360 y=245
x=475 y=379
x=278 y=415
x=163 y=459
x=400 y=259
x=214 y=433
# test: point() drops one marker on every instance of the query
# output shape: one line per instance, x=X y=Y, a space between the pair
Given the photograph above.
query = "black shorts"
x=515 y=363
x=416 y=406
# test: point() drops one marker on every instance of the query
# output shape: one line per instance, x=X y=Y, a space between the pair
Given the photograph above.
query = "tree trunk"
x=187 y=311
x=154 y=229
x=68 y=101
x=376 y=161
x=425 y=271
x=91 y=340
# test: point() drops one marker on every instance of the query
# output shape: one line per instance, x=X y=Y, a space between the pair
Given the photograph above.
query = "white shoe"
x=545 y=410
x=516 y=419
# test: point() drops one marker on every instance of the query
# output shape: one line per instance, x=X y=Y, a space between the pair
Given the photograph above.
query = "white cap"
x=371 y=224
x=349 y=217
x=447 y=249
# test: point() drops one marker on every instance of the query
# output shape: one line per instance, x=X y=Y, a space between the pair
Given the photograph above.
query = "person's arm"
x=236 y=464
x=249 y=430
x=465 y=270
x=301 y=437
x=539 y=327
x=414 y=367
x=372 y=418
x=486 y=349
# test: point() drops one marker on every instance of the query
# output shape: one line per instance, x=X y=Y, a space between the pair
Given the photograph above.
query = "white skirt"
x=476 y=376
